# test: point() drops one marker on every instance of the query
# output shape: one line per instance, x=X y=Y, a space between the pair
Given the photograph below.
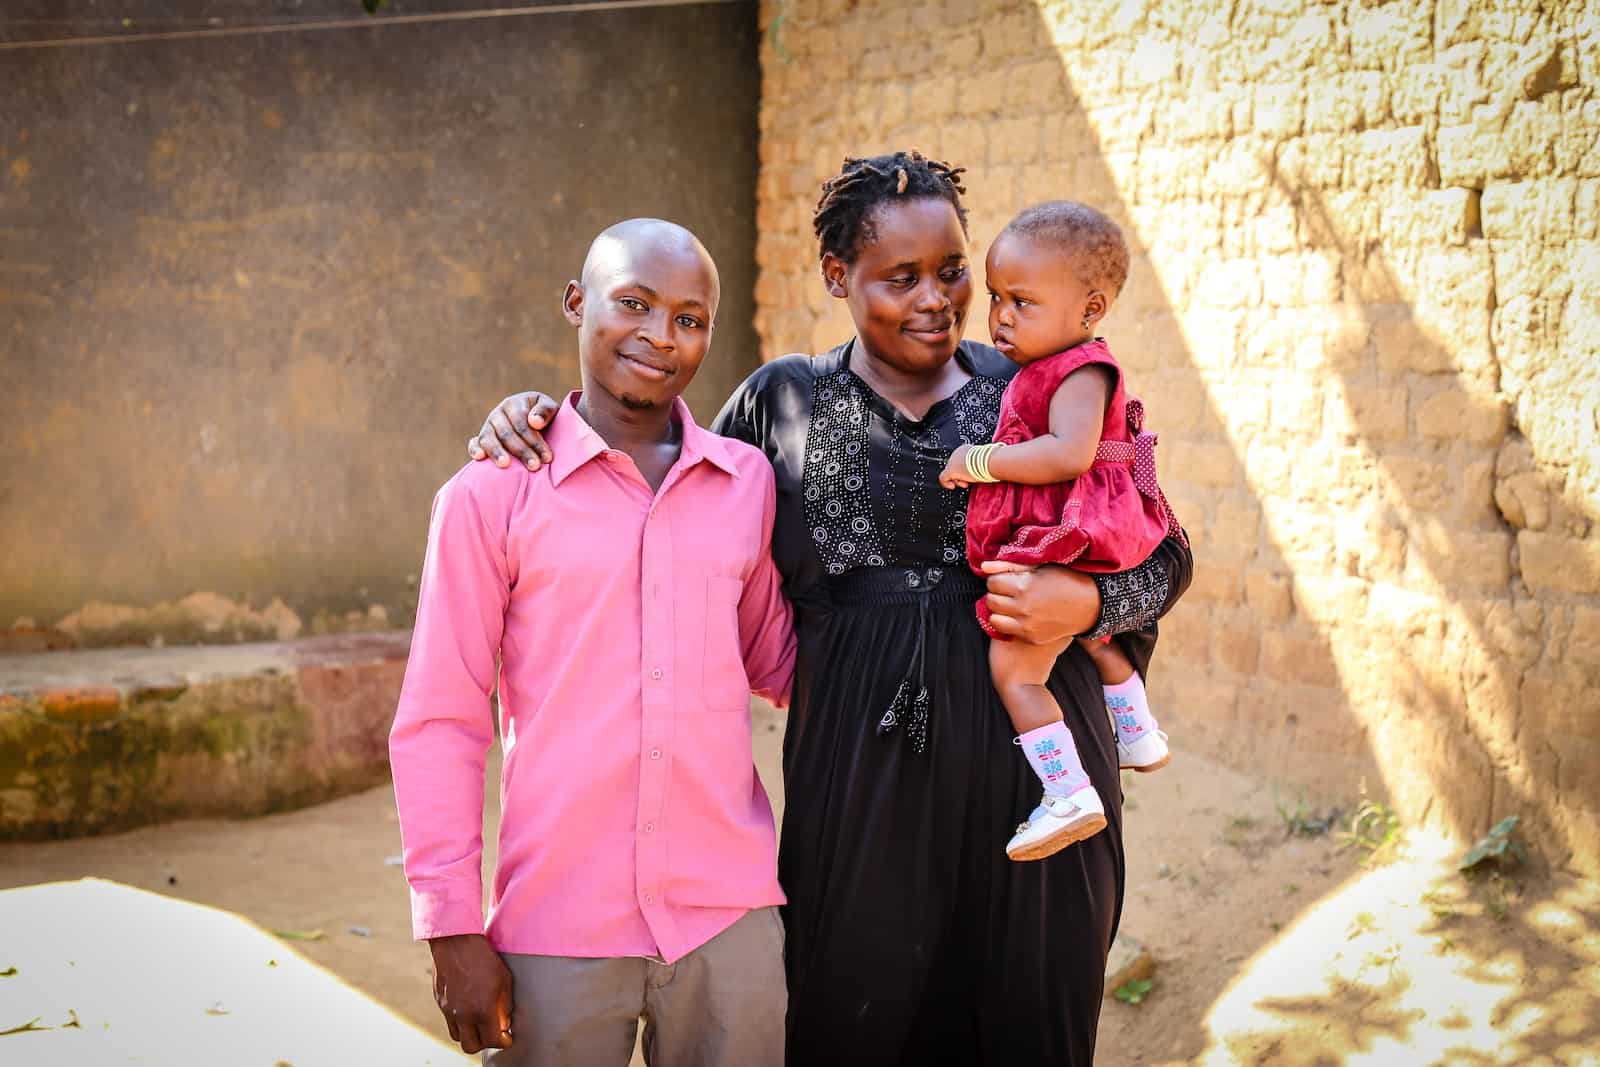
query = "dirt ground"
x=1272 y=948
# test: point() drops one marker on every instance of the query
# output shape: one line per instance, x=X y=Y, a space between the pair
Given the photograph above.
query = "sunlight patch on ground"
x=1414 y=963
x=93 y=972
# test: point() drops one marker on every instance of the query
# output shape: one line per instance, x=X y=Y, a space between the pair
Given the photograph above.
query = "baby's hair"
x=843 y=219
x=1093 y=241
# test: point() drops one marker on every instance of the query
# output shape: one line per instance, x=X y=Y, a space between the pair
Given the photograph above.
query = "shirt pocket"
x=724 y=685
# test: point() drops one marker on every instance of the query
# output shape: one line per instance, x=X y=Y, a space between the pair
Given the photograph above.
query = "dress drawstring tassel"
x=911 y=702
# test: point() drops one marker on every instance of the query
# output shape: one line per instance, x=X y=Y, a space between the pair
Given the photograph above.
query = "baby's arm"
x=1077 y=415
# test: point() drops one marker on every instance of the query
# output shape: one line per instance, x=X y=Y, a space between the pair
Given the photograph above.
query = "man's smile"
x=651 y=367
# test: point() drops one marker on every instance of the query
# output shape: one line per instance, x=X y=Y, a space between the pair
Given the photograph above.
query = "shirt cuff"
x=446 y=911
x=1131 y=600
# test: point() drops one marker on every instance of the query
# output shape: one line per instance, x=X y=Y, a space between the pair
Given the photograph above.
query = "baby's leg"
x=1113 y=664
x=1141 y=746
x=1020 y=671
x=1071 y=810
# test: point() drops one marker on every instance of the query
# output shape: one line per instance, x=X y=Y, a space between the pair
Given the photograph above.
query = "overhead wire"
x=311 y=25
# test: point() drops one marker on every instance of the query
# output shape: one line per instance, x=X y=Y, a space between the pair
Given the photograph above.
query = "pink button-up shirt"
x=631 y=629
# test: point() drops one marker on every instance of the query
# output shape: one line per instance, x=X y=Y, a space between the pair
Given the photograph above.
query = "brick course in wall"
x=1365 y=313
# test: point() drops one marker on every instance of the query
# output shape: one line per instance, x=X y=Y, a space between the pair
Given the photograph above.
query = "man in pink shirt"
x=628 y=590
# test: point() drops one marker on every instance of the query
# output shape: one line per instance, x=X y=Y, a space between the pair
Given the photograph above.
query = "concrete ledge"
x=114 y=738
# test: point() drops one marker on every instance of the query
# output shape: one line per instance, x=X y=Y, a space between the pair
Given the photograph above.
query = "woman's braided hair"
x=843 y=219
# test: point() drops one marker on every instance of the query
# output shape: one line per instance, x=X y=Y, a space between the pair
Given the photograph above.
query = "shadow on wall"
x=1312 y=316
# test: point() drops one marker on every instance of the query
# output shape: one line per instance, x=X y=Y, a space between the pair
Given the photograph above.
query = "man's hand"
x=472 y=986
x=1040 y=605
x=955 y=474
x=513 y=426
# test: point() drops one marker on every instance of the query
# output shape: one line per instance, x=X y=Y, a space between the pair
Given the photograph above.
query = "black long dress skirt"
x=912 y=939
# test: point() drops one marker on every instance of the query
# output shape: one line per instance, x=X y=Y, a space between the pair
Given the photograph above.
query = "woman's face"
x=909 y=287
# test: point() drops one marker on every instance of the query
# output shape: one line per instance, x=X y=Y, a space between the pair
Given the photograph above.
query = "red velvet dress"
x=1106 y=520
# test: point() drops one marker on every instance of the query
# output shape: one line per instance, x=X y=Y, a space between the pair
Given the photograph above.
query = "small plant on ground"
x=1500 y=846
x=1375 y=828
x=1300 y=820
x=1489 y=863
x=1134 y=990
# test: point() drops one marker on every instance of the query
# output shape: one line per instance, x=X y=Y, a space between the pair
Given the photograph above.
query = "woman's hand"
x=955 y=474
x=513 y=427
x=1040 y=605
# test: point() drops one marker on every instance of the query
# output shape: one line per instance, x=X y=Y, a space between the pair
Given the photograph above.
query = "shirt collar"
x=573 y=442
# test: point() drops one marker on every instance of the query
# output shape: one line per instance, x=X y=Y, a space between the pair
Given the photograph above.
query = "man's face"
x=644 y=312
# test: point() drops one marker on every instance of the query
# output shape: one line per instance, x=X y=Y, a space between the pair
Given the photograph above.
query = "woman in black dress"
x=912 y=939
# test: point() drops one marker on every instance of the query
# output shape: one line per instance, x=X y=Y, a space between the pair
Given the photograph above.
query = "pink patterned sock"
x=1054 y=758
x=1130 y=709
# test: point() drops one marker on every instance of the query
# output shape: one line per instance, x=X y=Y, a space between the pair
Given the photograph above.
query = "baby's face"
x=1036 y=300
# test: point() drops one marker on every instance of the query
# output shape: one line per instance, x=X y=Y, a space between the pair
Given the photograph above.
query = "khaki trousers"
x=722 y=1005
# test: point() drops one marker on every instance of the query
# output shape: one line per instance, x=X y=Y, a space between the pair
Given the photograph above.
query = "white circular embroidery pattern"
x=837 y=483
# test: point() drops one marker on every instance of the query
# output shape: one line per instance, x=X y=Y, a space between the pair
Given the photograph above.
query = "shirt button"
x=649 y=827
x=655 y=753
x=648 y=899
x=656 y=673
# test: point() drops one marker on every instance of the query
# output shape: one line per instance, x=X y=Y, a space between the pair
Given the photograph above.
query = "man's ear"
x=834 y=274
x=572 y=303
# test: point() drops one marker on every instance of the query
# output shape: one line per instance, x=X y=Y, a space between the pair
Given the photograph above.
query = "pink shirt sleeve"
x=766 y=620
x=444 y=726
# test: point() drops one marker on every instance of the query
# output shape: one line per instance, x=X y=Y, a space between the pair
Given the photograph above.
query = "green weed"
x=1499 y=846
x=1375 y=828
x=1300 y=820
x=1134 y=990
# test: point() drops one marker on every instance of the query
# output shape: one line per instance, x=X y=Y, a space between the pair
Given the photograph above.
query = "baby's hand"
x=955 y=474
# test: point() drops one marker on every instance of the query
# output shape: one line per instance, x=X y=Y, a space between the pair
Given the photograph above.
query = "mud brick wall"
x=1365 y=314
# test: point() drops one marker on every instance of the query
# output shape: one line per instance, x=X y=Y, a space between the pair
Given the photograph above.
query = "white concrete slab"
x=147 y=979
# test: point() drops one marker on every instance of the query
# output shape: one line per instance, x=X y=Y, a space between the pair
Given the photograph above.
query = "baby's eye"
x=634 y=304
x=953 y=274
x=905 y=281
x=994 y=297
x=688 y=322
x=1021 y=302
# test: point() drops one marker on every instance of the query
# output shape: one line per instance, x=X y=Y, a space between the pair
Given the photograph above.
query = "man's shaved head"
x=645 y=308
x=620 y=246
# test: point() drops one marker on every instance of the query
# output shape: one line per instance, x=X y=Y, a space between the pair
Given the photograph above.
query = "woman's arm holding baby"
x=1077 y=415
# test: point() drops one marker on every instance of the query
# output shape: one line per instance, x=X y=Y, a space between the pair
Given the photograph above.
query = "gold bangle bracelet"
x=978 y=462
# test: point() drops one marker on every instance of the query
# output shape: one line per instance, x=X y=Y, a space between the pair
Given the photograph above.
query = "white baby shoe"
x=1056 y=823
x=1145 y=753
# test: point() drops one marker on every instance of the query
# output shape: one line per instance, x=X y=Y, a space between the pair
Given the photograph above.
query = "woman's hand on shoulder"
x=512 y=430
x=1040 y=605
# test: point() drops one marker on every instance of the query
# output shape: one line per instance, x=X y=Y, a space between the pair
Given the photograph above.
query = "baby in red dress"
x=1069 y=479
